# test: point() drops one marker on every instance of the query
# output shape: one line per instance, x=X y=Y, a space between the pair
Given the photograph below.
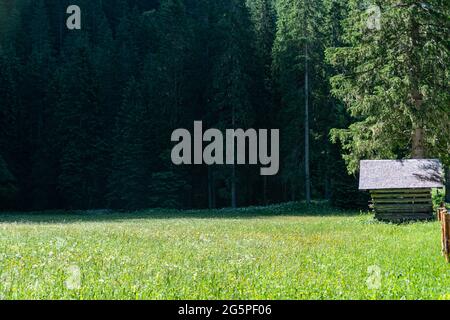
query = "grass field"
x=282 y=252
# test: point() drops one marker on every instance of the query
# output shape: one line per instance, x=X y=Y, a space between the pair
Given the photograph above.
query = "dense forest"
x=86 y=115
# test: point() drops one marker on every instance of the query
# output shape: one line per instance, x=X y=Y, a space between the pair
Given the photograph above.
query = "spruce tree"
x=230 y=103
x=81 y=120
x=8 y=188
x=129 y=179
x=296 y=52
x=393 y=78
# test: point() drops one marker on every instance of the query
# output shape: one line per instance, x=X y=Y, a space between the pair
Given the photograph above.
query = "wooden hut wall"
x=402 y=204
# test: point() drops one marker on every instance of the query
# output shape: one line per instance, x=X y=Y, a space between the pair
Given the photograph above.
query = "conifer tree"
x=297 y=49
x=231 y=83
x=393 y=78
x=8 y=189
x=129 y=179
x=80 y=115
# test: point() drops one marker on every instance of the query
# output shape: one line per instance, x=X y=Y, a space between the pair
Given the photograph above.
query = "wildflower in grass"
x=60 y=243
x=374 y=279
x=204 y=238
x=73 y=280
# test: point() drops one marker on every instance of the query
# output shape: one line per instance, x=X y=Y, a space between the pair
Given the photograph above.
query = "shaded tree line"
x=86 y=116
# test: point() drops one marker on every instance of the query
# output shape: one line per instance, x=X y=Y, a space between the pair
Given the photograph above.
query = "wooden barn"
x=401 y=189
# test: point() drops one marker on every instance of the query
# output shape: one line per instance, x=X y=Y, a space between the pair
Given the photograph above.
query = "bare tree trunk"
x=418 y=134
x=233 y=169
x=447 y=184
x=211 y=200
x=233 y=187
x=307 y=173
x=209 y=189
x=265 y=190
x=293 y=196
x=327 y=187
x=418 y=149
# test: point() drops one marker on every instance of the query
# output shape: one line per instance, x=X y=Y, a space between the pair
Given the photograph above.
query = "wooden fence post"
x=444 y=218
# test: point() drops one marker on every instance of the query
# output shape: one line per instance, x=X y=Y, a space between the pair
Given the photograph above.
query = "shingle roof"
x=400 y=174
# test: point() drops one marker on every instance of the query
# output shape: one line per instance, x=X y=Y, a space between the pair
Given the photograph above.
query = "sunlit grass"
x=245 y=254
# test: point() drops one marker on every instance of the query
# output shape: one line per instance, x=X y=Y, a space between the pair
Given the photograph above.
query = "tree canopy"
x=86 y=115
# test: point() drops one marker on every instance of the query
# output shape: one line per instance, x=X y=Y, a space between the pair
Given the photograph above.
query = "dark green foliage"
x=8 y=188
x=394 y=81
x=345 y=193
x=438 y=197
x=128 y=180
x=447 y=184
x=82 y=150
x=86 y=116
x=304 y=30
x=168 y=190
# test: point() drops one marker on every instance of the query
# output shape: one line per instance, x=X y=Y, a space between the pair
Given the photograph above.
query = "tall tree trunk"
x=214 y=202
x=211 y=204
x=61 y=24
x=293 y=196
x=418 y=145
x=307 y=173
x=233 y=169
x=447 y=184
x=233 y=186
x=265 y=190
x=418 y=149
x=327 y=187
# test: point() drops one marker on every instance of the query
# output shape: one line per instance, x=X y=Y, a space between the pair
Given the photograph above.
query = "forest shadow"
x=293 y=209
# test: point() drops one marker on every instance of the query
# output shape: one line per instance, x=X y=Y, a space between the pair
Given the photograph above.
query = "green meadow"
x=279 y=252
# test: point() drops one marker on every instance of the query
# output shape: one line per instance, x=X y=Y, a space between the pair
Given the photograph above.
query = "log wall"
x=402 y=204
